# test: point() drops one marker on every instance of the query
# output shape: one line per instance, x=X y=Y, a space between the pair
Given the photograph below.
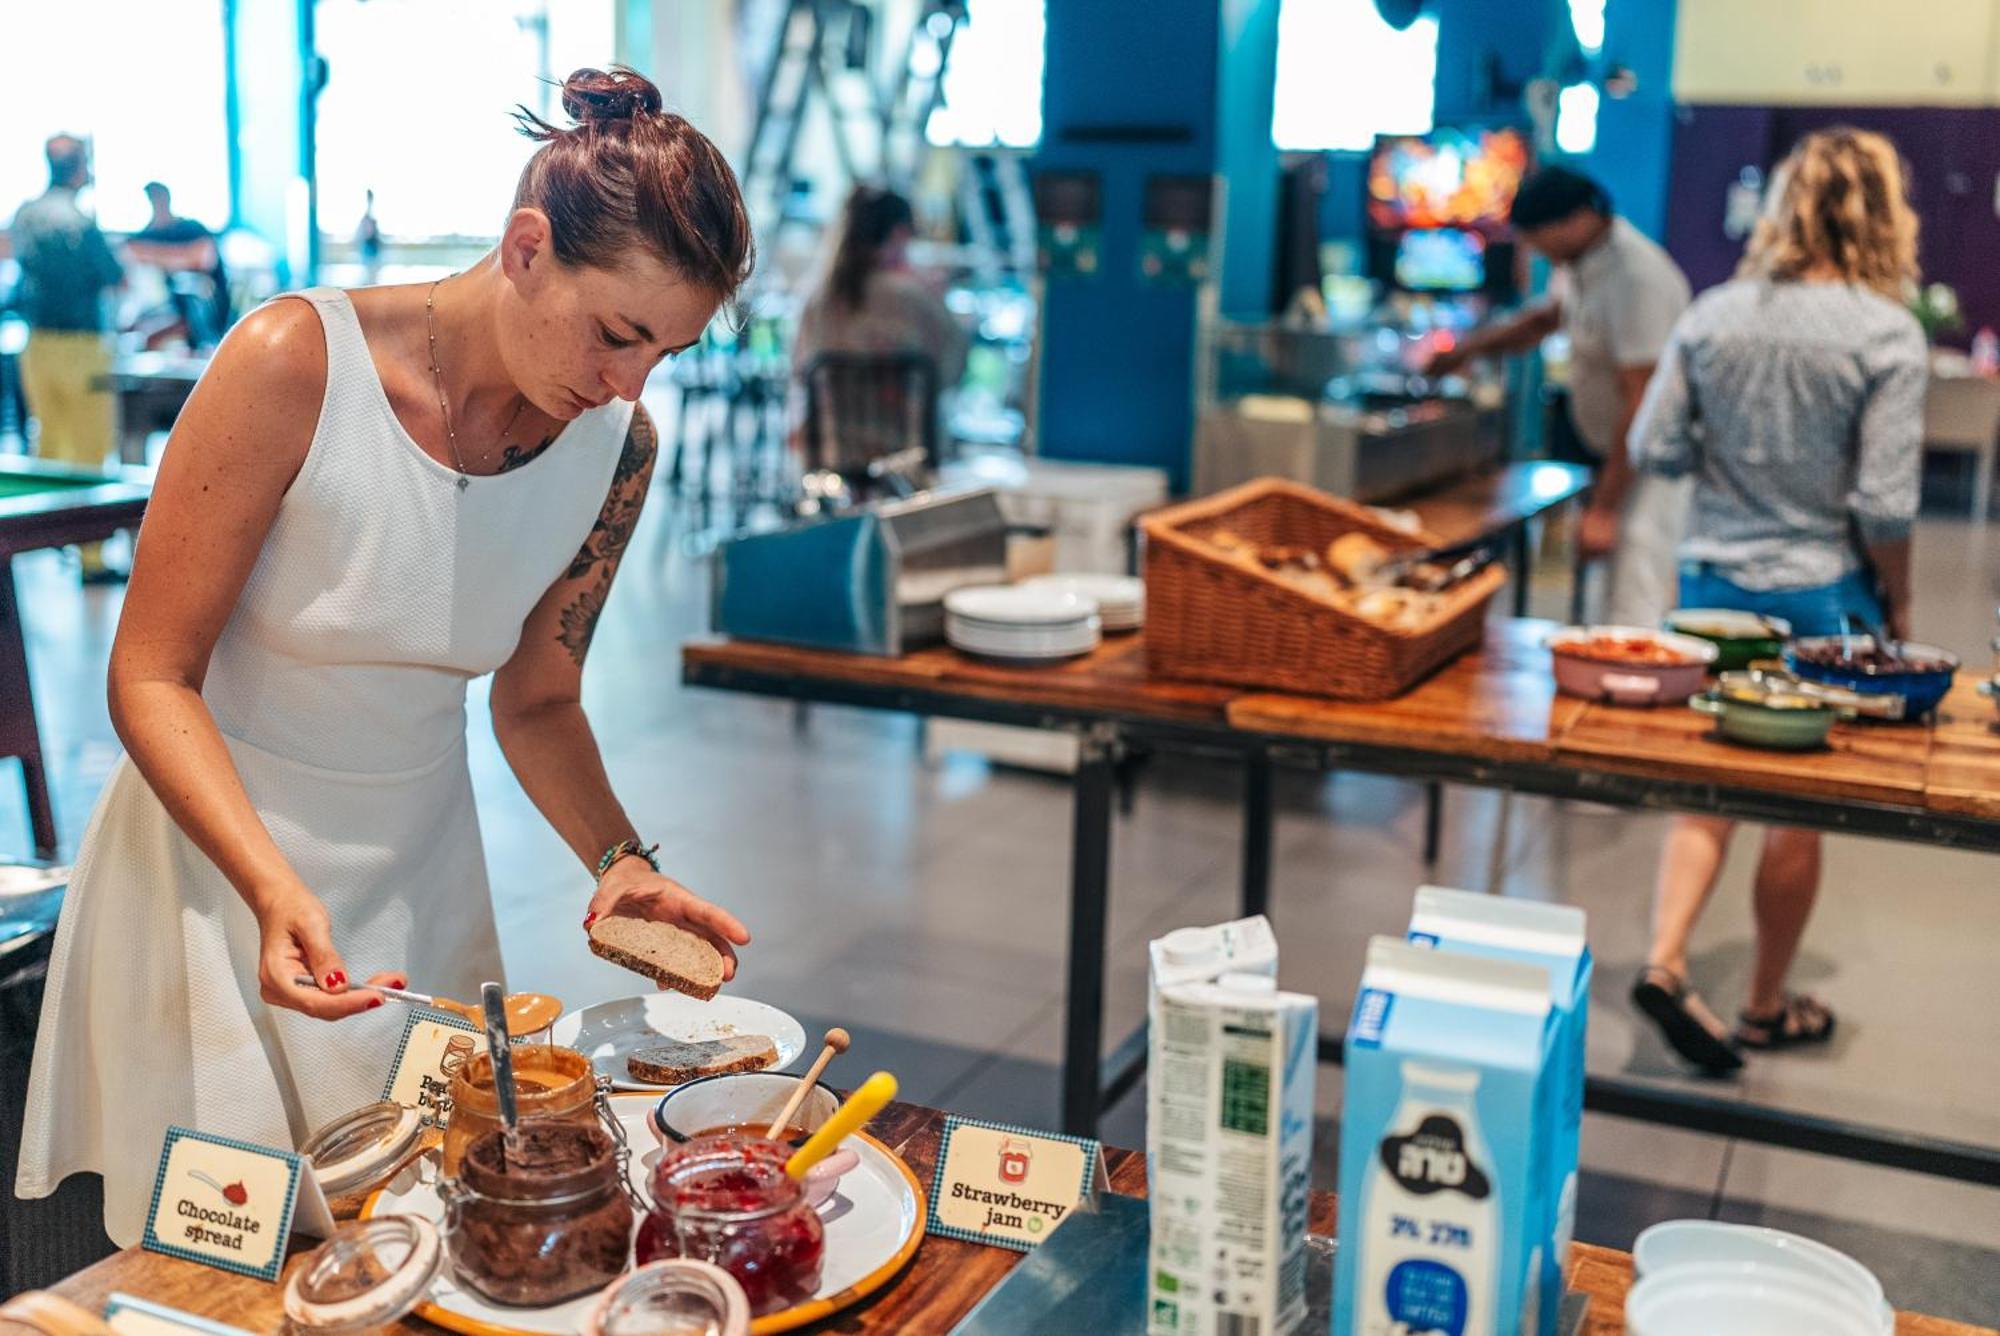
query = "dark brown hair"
x=630 y=174
x=870 y=216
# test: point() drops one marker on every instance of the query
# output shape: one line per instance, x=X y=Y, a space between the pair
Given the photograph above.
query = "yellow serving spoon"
x=868 y=1099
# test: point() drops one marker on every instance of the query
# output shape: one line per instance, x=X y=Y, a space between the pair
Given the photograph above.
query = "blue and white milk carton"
x=1441 y=1180
x=1229 y=1115
x=1551 y=936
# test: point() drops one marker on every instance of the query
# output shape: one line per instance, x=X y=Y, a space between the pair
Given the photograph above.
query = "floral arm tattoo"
x=598 y=558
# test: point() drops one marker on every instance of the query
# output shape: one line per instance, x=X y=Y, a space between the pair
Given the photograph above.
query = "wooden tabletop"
x=1498 y=499
x=940 y=1286
x=1498 y=704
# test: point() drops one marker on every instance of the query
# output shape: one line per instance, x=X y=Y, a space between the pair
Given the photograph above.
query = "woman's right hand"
x=297 y=939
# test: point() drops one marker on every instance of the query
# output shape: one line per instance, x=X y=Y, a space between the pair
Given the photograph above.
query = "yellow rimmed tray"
x=876 y=1226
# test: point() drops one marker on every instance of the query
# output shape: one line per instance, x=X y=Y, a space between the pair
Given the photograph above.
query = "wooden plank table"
x=943 y=1282
x=1490 y=719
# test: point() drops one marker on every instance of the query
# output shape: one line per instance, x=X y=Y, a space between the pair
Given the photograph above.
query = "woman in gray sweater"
x=1794 y=396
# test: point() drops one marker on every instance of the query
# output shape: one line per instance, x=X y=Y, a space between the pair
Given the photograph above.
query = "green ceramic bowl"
x=1788 y=727
x=1740 y=638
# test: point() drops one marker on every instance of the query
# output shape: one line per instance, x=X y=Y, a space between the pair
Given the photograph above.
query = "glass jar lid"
x=677 y=1297
x=368 y=1273
x=362 y=1147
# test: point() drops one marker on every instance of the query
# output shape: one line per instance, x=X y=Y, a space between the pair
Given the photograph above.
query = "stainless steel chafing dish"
x=872 y=580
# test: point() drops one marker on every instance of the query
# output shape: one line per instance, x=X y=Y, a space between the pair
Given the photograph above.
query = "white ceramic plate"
x=1025 y=651
x=1019 y=605
x=1118 y=597
x=610 y=1032
x=873 y=1222
x=1085 y=634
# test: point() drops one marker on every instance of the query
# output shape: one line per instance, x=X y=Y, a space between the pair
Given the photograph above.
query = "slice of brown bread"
x=671 y=956
x=672 y=1062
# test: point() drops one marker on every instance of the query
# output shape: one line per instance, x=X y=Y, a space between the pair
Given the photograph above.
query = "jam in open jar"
x=726 y=1199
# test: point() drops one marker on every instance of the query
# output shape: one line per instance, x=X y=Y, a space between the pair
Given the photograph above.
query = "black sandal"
x=1685 y=1022
x=1803 y=1019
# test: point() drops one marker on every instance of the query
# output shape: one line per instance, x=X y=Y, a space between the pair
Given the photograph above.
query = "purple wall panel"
x=1954 y=159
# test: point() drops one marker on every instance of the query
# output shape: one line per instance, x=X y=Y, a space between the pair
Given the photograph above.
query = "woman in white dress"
x=370 y=499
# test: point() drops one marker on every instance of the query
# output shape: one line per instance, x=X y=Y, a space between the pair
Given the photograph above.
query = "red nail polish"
x=590 y=918
x=374 y=1004
x=335 y=980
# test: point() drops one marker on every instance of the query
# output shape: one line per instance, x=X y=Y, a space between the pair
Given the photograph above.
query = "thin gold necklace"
x=444 y=405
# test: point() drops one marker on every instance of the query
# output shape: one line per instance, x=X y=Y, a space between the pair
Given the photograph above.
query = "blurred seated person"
x=187 y=253
x=872 y=301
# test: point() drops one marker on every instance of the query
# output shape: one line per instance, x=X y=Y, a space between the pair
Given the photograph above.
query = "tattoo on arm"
x=598 y=558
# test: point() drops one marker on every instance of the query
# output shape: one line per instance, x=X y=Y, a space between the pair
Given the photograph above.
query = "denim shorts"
x=1812 y=612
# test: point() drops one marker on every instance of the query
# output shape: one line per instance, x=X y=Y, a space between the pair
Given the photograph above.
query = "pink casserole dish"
x=1629 y=665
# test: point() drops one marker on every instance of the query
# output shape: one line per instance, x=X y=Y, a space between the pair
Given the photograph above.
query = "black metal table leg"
x=1433 y=821
x=1517 y=558
x=1258 y=820
x=1089 y=912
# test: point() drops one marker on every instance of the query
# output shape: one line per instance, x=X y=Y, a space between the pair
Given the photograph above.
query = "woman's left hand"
x=631 y=887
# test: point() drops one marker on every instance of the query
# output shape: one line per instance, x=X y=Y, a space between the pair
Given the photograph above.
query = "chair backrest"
x=863 y=407
x=1961 y=413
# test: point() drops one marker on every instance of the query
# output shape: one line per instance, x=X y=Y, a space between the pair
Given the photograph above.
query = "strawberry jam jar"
x=725 y=1198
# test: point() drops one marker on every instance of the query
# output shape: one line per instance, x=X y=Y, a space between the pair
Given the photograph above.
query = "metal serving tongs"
x=1461 y=561
x=1771 y=675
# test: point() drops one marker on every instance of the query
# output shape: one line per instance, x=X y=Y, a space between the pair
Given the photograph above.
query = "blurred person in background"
x=188 y=254
x=67 y=272
x=871 y=300
x=1615 y=295
x=1793 y=395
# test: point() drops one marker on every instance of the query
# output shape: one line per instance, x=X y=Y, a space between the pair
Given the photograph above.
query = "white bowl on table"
x=1746 y=1299
x=1715 y=1246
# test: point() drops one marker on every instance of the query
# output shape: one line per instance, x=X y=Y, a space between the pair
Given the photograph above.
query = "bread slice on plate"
x=672 y=1062
x=671 y=956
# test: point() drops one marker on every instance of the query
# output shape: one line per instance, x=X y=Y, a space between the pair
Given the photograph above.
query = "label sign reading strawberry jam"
x=230 y=1204
x=1007 y=1187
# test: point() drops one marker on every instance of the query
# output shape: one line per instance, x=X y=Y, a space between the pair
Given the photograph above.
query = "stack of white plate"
x=1120 y=599
x=1019 y=623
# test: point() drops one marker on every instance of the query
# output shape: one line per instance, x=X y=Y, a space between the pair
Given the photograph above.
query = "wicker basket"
x=1215 y=620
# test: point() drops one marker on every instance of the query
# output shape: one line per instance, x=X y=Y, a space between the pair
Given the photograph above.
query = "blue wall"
x=1635 y=133
x=1130 y=90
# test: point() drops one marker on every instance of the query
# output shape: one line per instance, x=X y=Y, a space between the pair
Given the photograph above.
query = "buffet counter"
x=940 y=1286
x=1492 y=719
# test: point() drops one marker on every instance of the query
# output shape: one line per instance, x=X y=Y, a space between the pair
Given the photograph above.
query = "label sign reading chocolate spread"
x=434 y=1043
x=1007 y=1187
x=230 y=1204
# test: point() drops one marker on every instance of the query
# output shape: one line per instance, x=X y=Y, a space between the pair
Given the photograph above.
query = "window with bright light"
x=993 y=80
x=434 y=138
x=1345 y=76
x=151 y=103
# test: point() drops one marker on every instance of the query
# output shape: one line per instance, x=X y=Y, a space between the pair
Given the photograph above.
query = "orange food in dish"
x=1625 y=649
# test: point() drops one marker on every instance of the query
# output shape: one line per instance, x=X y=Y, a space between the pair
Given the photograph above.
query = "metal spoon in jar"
x=495 y=1002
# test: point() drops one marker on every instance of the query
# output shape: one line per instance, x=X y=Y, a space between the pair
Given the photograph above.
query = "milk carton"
x=1229 y=1109
x=1203 y=955
x=1551 y=936
x=1441 y=1180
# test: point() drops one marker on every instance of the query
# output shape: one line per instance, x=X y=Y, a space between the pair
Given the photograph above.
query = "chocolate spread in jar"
x=546 y=1222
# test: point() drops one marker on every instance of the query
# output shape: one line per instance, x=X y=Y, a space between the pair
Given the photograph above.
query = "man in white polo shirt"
x=1615 y=295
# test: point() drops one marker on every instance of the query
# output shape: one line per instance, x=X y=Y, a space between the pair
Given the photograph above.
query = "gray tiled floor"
x=923 y=907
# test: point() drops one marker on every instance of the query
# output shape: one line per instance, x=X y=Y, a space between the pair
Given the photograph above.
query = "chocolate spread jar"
x=549 y=1221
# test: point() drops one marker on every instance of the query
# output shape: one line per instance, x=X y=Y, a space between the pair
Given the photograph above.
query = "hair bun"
x=616 y=94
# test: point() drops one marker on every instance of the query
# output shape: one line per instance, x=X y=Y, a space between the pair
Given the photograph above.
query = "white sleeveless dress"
x=339 y=685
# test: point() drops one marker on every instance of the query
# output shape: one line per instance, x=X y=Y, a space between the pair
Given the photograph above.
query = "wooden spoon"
x=836 y=1042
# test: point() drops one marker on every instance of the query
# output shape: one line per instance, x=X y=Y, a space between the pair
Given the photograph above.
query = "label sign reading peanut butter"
x=227 y=1203
x=1007 y=1187
x=434 y=1044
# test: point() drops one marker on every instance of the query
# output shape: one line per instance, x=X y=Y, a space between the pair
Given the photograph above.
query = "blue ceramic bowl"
x=1921 y=690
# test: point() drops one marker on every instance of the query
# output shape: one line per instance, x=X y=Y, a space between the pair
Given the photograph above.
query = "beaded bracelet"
x=628 y=849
